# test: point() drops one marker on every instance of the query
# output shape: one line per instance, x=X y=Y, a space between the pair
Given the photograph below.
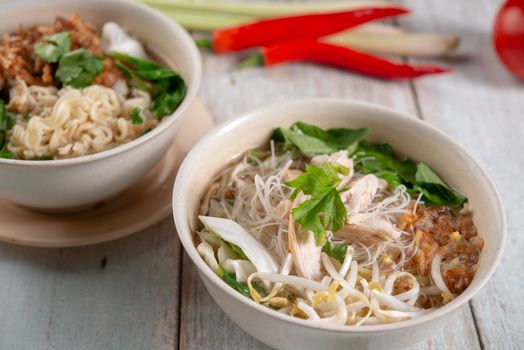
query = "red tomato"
x=508 y=36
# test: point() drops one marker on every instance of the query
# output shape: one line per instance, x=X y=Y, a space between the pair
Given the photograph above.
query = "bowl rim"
x=182 y=225
x=196 y=71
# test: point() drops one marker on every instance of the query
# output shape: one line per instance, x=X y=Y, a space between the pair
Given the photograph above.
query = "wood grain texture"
x=229 y=92
x=118 y=295
x=481 y=105
x=203 y=325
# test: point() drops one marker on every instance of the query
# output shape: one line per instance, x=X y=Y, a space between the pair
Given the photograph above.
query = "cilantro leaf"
x=135 y=116
x=337 y=251
x=324 y=210
x=79 y=68
x=53 y=47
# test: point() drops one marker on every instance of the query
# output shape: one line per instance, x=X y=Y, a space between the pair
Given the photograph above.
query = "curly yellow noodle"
x=71 y=122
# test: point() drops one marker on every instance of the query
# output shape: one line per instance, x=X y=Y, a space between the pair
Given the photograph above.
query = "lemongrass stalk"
x=205 y=21
x=377 y=28
x=208 y=21
x=264 y=9
x=402 y=44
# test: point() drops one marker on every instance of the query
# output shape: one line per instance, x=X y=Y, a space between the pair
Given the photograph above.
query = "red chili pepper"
x=312 y=50
x=508 y=35
x=281 y=29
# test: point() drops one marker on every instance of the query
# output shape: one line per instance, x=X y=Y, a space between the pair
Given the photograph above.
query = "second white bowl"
x=406 y=135
x=69 y=184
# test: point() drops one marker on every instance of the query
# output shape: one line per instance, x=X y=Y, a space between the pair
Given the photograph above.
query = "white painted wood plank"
x=117 y=295
x=203 y=325
x=228 y=91
x=481 y=105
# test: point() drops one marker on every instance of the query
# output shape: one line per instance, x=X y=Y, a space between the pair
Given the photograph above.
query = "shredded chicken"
x=372 y=230
x=304 y=249
x=361 y=194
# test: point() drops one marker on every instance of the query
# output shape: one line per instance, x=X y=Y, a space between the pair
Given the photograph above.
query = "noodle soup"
x=70 y=90
x=325 y=226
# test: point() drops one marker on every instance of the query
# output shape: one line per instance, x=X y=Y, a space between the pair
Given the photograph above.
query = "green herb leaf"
x=44 y=158
x=380 y=160
x=337 y=251
x=308 y=145
x=312 y=140
x=377 y=159
x=255 y=156
x=418 y=178
x=79 y=68
x=167 y=102
x=53 y=47
x=135 y=63
x=324 y=209
x=135 y=116
x=7 y=120
x=5 y=153
x=241 y=287
x=238 y=251
x=434 y=189
x=338 y=138
x=165 y=85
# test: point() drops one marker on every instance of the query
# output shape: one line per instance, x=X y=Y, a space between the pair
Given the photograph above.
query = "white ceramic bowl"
x=407 y=135
x=83 y=181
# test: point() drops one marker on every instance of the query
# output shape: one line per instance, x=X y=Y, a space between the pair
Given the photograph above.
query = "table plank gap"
x=416 y=101
x=116 y=295
x=477 y=328
x=180 y=267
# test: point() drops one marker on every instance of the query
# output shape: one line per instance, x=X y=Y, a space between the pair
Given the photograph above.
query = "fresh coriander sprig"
x=53 y=47
x=76 y=68
x=79 y=68
x=324 y=209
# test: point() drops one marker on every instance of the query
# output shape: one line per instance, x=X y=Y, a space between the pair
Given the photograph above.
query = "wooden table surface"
x=142 y=292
